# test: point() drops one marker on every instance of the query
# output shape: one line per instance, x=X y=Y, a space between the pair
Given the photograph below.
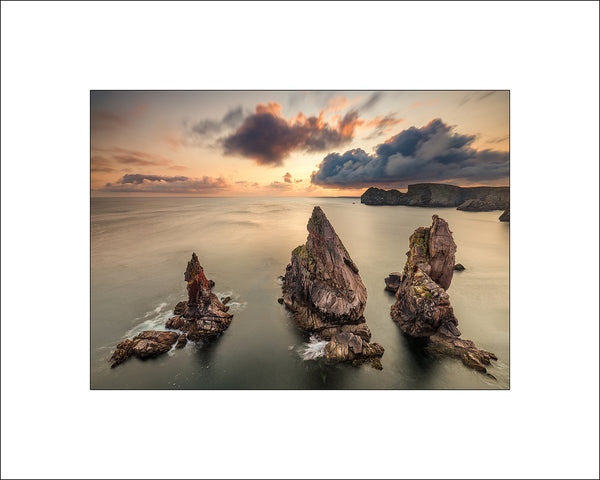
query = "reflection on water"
x=140 y=248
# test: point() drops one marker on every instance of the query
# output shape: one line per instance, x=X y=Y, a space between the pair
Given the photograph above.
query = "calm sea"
x=140 y=248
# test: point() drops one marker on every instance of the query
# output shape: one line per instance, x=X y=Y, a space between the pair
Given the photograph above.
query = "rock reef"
x=202 y=317
x=422 y=308
x=437 y=195
x=324 y=292
x=147 y=344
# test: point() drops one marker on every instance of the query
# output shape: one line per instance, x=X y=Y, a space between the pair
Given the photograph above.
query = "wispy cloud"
x=382 y=125
x=211 y=127
x=475 y=97
x=116 y=157
x=420 y=104
x=105 y=120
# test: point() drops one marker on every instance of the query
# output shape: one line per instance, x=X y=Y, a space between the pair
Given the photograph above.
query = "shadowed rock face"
x=422 y=307
x=203 y=316
x=325 y=293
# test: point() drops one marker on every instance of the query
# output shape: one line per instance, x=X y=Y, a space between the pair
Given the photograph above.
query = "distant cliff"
x=436 y=195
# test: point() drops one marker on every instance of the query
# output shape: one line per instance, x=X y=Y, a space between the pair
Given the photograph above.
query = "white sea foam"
x=315 y=348
x=235 y=305
x=155 y=319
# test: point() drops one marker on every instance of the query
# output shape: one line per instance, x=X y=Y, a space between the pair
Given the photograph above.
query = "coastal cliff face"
x=422 y=308
x=437 y=195
x=324 y=292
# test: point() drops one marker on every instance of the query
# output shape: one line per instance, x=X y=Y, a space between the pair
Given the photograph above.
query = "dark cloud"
x=287 y=177
x=212 y=127
x=268 y=138
x=430 y=153
x=145 y=183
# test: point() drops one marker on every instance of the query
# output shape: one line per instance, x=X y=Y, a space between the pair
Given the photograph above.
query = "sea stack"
x=324 y=292
x=422 y=308
x=203 y=316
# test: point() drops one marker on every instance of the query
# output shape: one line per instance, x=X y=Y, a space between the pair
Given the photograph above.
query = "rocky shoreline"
x=323 y=290
x=440 y=195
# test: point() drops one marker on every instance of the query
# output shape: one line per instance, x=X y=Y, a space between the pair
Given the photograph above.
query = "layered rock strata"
x=422 y=308
x=324 y=292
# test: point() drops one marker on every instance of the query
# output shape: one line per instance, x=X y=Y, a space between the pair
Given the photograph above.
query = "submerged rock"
x=505 y=217
x=203 y=316
x=422 y=308
x=392 y=282
x=326 y=295
x=150 y=343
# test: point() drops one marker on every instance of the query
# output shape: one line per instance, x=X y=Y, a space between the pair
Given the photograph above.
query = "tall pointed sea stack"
x=422 y=307
x=326 y=295
x=203 y=316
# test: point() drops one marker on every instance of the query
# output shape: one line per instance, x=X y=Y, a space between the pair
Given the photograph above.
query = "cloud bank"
x=142 y=183
x=432 y=153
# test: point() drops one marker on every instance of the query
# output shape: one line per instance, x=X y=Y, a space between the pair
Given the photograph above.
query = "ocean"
x=140 y=248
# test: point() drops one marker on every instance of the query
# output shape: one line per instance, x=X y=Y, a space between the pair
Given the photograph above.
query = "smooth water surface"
x=140 y=248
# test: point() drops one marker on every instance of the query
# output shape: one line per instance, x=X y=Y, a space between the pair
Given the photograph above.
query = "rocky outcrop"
x=422 y=308
x=459 y=267
x=147 y=344
x=324 y=292
x=203 y=316
x=436 y=195
x=505 y=217
x=475 y=205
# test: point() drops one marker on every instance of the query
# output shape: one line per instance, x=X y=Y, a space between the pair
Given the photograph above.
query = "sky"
x=294 y=143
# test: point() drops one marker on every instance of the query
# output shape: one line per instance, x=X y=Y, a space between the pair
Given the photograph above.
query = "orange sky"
x=270 y=143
